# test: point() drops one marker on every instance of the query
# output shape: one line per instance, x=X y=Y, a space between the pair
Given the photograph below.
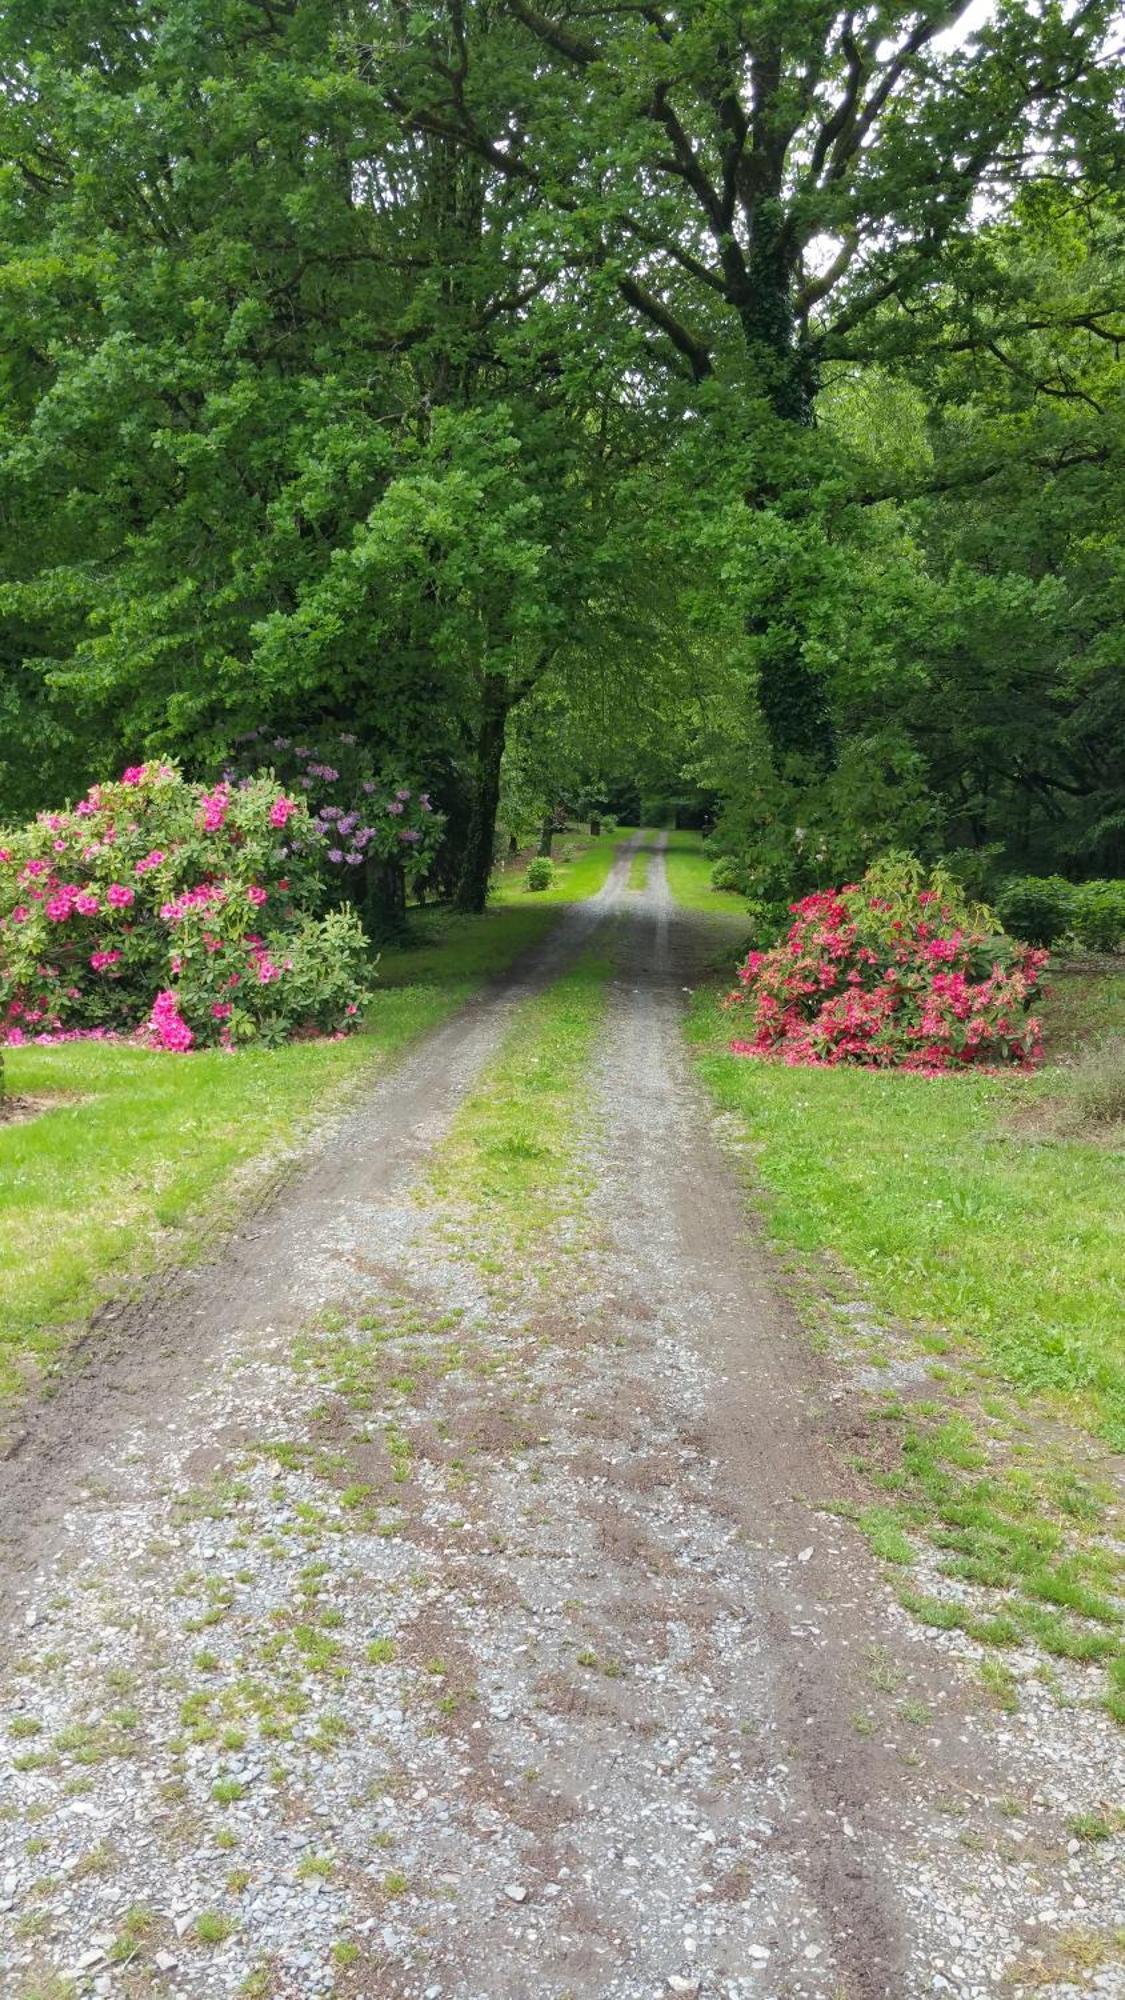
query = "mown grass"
x=946 y=1212
x=638 y=869
x=141 y=1153
x=689 y=878
x=583 y=876
x=1001 y=1253
x=511 y=1162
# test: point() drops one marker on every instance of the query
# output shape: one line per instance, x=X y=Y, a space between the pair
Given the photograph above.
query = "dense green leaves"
x=734 y=388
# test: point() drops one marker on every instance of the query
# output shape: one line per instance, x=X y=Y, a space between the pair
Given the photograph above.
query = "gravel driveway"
x=380 y=1624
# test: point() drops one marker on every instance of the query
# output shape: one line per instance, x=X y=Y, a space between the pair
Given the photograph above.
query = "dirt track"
x=502 y=1616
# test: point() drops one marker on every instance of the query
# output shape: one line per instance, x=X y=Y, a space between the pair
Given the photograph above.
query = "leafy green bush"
x=1098 y=915
x=1037 y=908
x=768 y=921
x=730 y=873
x=540 y=872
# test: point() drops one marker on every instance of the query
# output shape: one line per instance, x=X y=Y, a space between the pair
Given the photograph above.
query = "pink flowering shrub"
x=891 y=972
x=185 y=914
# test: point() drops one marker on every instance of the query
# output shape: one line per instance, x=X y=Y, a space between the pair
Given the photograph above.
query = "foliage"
x=728 y=873
x=1045 y=908
x=327 y=409
x=540 y=873
x=1038 y=908
x=1098 y=919
x=887 y=974
x=185 y=912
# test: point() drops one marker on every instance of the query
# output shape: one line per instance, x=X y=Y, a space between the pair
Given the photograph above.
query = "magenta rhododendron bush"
x=894 y=971
x=184 y=913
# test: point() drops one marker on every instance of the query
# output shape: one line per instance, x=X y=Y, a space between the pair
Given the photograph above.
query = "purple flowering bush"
x=187 y=915
x=368 y=821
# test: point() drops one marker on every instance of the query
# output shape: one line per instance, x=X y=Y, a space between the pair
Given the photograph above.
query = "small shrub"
x=568 y=851
x=365 y=816
x=896 y=971
x=730 y=873
x=1098 y=915
x=1037 y=908
x=540 y=872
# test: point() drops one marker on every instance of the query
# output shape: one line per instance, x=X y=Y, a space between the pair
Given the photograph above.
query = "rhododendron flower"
x=134 y=775
x=20 y=914
x=214 y=807
x=167 y=1025
x=119 y=896
x=149 y=861
x=281 y=811
x=221 y=1010
x=336 y=854
x=394 y=805
x=256 y=895
x=100 y=959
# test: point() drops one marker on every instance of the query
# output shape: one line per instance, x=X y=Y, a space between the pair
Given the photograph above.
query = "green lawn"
x=140 y=1153
x=951 y=1214
x=689 y=878
x=593 y=858
x=964 y=1217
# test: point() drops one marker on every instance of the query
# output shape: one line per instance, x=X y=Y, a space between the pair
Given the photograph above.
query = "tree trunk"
x=595 y=827
x=476 y=865
x=384 y=900
x=547 y=835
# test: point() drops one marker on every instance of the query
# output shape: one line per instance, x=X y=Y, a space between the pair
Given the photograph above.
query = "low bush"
x=1037 y=908
x=1044 y=908
x=730 y=873
x=1098 y=915
x=540 y=872
x=896 y=971
x=186 y=914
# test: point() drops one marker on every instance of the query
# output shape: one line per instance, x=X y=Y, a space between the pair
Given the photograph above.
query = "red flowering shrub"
x=184 y=913
x=891 y=973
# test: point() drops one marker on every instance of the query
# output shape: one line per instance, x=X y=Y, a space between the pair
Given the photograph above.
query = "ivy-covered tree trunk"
x=480 y=843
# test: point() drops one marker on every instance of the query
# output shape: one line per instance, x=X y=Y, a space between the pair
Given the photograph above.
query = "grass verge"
x=689 y=879
x=592 y=857
x=638 y=869
x=139 y=1154
x=511 y=1162
x=984 y=1267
